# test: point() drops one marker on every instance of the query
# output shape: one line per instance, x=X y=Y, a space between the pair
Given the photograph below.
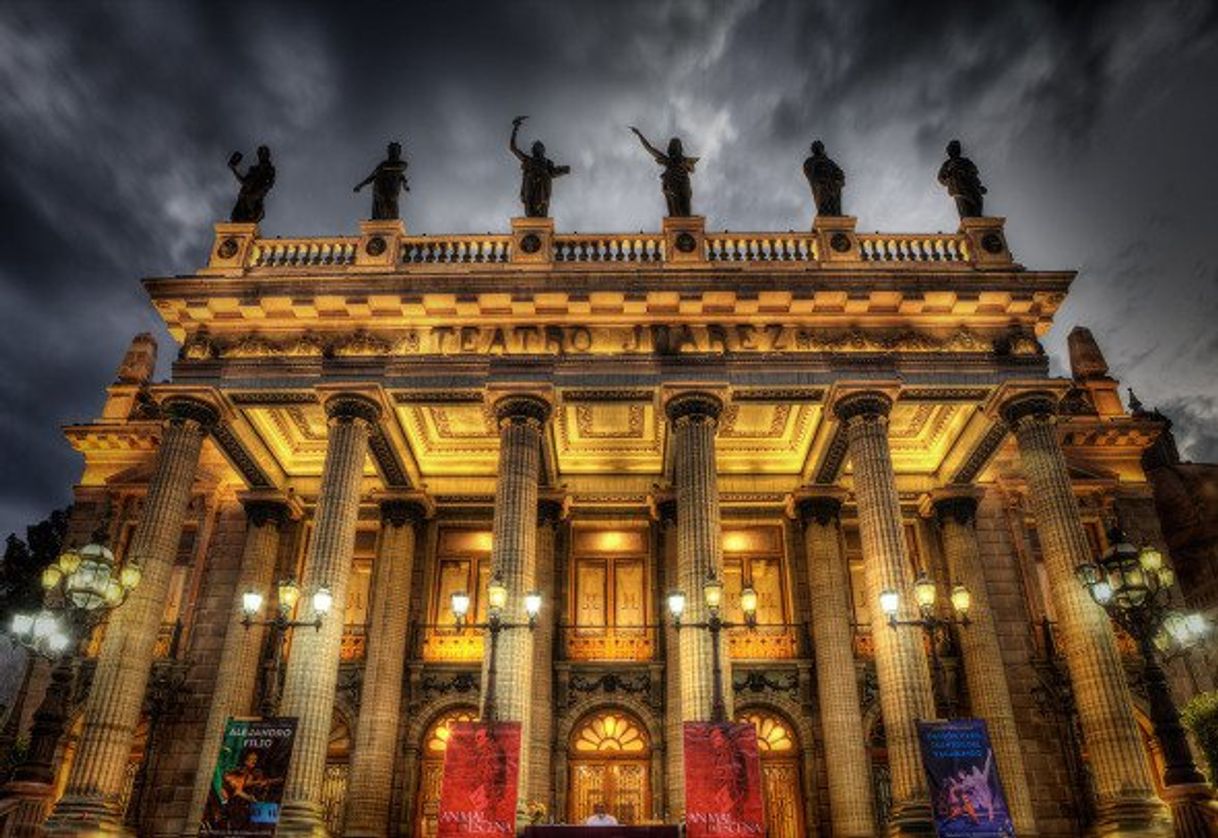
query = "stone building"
x=819 y=416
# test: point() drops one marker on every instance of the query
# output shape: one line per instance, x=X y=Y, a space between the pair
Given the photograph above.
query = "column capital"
x=400 y=510
x=344 y=407
x=521 y=408
x=262 y=511
x=180 y=409
x=694 y=404
x=955 y=503
x=820 y=505
x=1035 y=404
x=663 y=506
x=552 y=509
x=869 y=404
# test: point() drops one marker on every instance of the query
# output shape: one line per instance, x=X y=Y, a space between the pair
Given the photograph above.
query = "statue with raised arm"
x=826 y=179
x=255 y=184
x=963 y=182
x=537 y=174
x=388 y=180
x=674 y=181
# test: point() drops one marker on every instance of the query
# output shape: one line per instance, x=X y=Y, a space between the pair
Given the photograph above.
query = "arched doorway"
x=610 y=763
x=781 y=781
x=431 y=770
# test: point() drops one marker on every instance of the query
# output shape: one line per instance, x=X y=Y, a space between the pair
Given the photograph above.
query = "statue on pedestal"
x=963 y=182
x=255 y=184
x=388 y=180
x=674 y=181
x=826 y=179
x=537 y=174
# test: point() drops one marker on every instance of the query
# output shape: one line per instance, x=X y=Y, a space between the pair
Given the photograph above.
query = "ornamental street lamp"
x=1134 y=586
x=496 y=602
x=925 y=593
x=81 y=588
x=287 y=594
x=712 y=595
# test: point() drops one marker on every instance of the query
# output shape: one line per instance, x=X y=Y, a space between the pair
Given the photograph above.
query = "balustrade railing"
x=761 y=247
x=603 y=643
x=877 y=247
x=456 y=250
x=354 y=643
x=302 y=253
x=609 y=248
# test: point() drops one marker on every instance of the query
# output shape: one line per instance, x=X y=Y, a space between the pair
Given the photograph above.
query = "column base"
x=1128 y=817
x=1194 y=810
x=25 y=818
x=79 y=816
x=300 y=819
x=912 y=818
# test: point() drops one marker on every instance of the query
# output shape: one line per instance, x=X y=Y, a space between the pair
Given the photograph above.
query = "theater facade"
x=814 y=417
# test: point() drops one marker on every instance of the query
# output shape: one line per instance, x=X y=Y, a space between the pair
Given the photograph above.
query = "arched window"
x=781 y=778
x=610 y=763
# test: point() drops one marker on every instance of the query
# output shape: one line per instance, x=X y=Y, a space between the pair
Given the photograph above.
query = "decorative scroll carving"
x=456 y=683
x=637 y=683
x=270 y=398
x=758 y=682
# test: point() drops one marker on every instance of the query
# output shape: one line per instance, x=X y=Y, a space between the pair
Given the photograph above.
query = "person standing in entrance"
x=600 y=817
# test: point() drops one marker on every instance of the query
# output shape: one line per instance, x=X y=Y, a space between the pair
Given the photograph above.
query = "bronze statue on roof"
x=255 y=184
x=963 y=182
x=826 y=179
x=388 y=180
x=674 y=181
x=537 y=174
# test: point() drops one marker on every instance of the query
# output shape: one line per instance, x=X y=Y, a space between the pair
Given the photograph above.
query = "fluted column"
x=848 y=765
x=984 y=671
x=695 y=420
x=541 y=722
x=1125 y=800
x=370 y=788
x=900 y=659
x=312 y=666
x=674 y=745
x=521 y=420
x=237 y=672
x=90 y=802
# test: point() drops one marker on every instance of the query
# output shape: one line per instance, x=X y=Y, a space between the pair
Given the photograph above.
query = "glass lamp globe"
x=676 y=603
x=748 y=600
x=1150 y=559
x=460 y=604
x=323 y=601
x=129 y=577
x=287 y=593
x=251 y=603
x=712 y=591
x=924 y=592
x=86 y=585
x=962 y=600
x=496 y=595
x=532 y=604
x=890 y=603
x=22 y=625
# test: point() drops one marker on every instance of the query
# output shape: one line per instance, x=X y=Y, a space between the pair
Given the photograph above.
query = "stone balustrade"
x=886 y=247
x=455 y=250
x=761 y=247
x=302 y=253
x=608 y=248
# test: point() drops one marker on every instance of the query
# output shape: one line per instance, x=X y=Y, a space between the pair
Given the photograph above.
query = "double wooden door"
x=623 y=785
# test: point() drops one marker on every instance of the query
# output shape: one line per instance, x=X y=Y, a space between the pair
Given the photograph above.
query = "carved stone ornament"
x=840 y=242
x=1040 y=404
x=686 y=243
x=360 y=344
x=375 y=246
x=694 y=405
x=184 y=409
x=869 y=403
x=522 y=408
x=227 y=248
x=992 y=243
x=198 y=347
x=530 y=243
x=349 y=406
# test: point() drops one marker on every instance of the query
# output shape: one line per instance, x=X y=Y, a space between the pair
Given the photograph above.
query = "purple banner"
x=963 y=778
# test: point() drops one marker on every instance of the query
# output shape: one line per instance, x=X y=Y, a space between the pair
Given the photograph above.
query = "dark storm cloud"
x=1093 y=124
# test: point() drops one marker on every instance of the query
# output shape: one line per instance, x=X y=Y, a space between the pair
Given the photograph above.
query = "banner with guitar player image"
x=481 y=768
x=247 y=786
x=722 y=780
x=963 y=780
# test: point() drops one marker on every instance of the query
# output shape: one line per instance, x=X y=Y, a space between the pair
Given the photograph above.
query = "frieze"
x=570 y=339
x=386 y=458
x=759 y=682
x=638 y=683
x=835 y=455
x=236 y=453
x=457 y=683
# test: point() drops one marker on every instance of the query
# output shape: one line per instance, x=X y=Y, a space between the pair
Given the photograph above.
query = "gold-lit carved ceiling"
x=451 y=437
x=296 y=436
x=610 y=433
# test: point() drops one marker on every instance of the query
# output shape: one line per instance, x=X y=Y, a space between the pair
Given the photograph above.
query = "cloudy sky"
x=1094 y=125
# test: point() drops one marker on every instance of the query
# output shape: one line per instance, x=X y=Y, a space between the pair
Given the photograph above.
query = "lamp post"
x=287 y=594
x=81 y=588
x=712 y=595
x=496 y=602
x=925 y=593
x=1134 y=586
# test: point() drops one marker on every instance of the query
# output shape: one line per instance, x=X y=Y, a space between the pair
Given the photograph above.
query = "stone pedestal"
x=370 y=788
x=112 y=712
x=989 y=696
x=533 y=241
x=312 y=667
x=379 y=244
x=684 y=239
x=695 y=419
x=987 y=243
x=900 y=658
x=237 y=672
x=231 y=249
x=847 y=765
x=836 y=240
x=1125 y=800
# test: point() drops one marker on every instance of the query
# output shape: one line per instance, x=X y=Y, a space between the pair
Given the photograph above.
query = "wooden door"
x=623 y=785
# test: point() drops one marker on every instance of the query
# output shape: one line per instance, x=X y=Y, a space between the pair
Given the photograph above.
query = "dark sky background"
x=1095 y=127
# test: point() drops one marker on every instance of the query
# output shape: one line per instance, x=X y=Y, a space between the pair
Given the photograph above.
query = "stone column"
x=541 y=763
x=695 y=419
x=237 y=672
x=851 y=811
x=900 y=657
x=1125 y=797
x=674 y=745
x=984 y=670
x=90 y=801
x=312 y=665
x=521 y=420
x=369 y=791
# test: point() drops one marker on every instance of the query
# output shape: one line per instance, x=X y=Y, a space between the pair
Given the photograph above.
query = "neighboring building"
x=604 y=417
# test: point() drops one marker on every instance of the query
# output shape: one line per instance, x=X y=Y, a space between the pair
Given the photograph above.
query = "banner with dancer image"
x=722 y=780
x=478 y=794
x=247 y=786
x=962 y=775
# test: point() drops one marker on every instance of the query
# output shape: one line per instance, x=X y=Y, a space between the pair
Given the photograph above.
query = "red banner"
x=722 y=780
x=478 y=795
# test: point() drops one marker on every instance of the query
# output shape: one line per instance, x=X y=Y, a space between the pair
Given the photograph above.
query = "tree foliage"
x=24 y=559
